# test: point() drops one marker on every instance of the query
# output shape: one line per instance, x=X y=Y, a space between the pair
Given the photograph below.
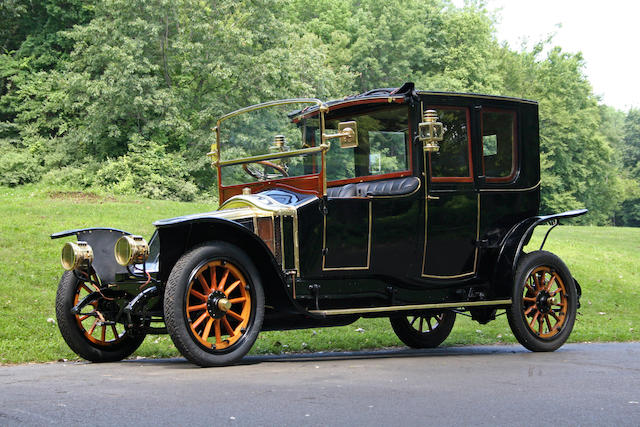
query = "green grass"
x=605 y=260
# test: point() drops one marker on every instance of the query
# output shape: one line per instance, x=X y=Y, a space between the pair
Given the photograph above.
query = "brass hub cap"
x=544 y=302
x=218 y=304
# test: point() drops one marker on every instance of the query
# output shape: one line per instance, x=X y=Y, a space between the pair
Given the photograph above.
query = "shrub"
x=149 y=171
x=18 y=167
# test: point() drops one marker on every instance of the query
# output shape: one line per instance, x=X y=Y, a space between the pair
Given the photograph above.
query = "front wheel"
x=544 y=302
x=93 y=332
x=214 y=304
x=424 y=330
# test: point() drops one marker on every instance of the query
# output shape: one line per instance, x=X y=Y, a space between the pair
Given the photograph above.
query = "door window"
x=451 y=163
x=383 y=146
x=498 y=145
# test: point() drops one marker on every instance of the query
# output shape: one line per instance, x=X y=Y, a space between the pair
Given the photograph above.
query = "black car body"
x=422 y=211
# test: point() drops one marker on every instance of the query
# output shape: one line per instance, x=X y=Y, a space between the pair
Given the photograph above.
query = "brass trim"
x=324 y=245
x=335 y=312
x=486 y=190
x=254 y=201
x=296 y=242
x=271 y=156
x=274 y=103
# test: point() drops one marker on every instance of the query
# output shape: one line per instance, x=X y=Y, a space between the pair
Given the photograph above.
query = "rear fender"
x=513 y=243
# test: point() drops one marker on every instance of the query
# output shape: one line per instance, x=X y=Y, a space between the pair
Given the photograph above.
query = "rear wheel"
x=214 y=304
x=544 y=302
x=92 y=333
x=424 y=330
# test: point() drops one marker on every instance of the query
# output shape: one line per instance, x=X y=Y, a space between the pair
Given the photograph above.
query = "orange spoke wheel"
x=544 y=302
x=427 y=329
x=218 y=304
x=214 y=304
x=91 y=320
x=92 y=333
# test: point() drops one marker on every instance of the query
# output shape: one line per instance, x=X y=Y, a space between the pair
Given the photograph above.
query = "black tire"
x=411 y=329
x=544 y=302
x=199 y=333
x=84 y=333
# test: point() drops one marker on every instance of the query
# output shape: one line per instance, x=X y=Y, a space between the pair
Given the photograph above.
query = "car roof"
x=406 y=90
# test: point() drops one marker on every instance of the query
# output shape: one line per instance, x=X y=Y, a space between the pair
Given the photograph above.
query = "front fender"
x=178 y=237
x=513 y=243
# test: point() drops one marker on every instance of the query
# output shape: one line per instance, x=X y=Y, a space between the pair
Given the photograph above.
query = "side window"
x=451 y=162
x=382 y=145
x=498 y=144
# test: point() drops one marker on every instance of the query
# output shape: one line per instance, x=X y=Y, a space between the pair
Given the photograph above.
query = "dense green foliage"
x=87 y=88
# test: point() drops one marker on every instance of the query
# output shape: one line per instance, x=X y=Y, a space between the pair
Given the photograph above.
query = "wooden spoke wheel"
x=214 y=304
x=426 y=329
x=218 y=304
x=91 y=319
x=544 y=302
x=93 y=332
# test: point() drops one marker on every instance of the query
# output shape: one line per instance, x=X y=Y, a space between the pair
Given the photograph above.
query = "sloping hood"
x=270 y=202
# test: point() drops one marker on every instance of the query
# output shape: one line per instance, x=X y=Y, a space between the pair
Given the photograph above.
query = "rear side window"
x=451 y=162
x=499 y=144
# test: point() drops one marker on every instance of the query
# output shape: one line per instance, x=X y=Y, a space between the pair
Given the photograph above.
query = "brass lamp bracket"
x=348 y=134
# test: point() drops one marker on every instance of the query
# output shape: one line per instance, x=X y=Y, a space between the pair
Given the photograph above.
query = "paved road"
x=580 y=384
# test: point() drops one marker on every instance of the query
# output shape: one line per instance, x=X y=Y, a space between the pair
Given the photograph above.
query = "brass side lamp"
x=430 y=131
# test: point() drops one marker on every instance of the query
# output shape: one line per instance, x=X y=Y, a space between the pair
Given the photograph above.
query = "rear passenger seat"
x=388 y=187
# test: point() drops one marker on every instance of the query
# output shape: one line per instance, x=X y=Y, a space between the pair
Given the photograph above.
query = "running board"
x=409 y=307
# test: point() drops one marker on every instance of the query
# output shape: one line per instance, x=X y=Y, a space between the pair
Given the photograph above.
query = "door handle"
x=430 y=197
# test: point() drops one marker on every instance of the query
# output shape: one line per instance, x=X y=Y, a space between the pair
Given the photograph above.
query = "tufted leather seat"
x=388 y=187
x=342 y=192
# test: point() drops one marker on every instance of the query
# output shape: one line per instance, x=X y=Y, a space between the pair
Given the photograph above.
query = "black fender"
x=514 y=241
x=178 y=237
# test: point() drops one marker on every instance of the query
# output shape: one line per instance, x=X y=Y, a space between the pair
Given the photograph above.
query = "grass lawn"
x=605 y=260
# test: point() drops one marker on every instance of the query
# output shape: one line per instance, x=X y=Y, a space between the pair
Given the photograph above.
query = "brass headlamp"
x=76 y=255
x=131 y=250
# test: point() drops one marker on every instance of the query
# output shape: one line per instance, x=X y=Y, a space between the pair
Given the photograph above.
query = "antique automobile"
x=395 y=203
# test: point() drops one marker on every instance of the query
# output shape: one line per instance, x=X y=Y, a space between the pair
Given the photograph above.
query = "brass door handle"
x=429 y=197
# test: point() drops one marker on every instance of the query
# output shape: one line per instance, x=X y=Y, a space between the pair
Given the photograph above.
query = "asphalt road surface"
x=580 y=384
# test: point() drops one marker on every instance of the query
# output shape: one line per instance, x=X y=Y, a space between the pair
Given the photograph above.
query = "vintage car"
x=393 y=203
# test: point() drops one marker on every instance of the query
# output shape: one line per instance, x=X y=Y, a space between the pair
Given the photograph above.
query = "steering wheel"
x=261 y=174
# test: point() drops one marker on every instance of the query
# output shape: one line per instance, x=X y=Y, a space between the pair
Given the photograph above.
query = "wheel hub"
x=544 y=301
x=218 y=304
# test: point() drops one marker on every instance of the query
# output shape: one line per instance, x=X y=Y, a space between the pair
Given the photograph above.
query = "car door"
x=451 y=200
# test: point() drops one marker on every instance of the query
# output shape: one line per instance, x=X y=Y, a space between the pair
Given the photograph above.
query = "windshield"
x=290 y=144
x=265 y=132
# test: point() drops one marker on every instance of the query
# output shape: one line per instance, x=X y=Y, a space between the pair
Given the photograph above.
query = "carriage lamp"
x=76 y=255
x=279 y=144
x=131 y=250
x=430 y=131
